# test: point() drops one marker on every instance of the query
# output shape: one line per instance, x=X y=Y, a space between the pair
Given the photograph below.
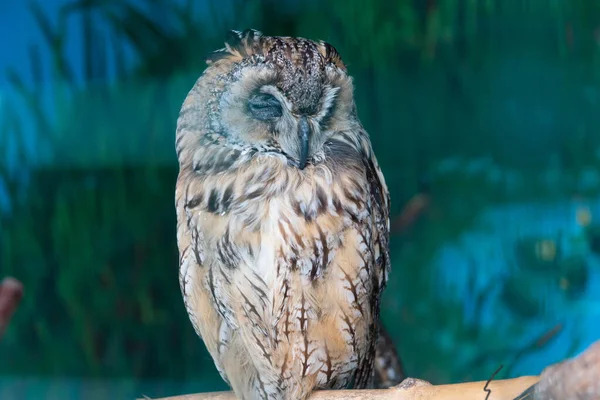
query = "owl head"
x=276 y=96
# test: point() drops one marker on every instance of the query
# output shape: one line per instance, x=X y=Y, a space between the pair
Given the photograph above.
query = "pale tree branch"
x=577 y=379
x=409 y=389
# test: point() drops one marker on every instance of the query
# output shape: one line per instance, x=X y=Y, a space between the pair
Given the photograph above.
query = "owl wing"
x=389 y=370
x=380 y=210
x=225 y=299
x=195 y=278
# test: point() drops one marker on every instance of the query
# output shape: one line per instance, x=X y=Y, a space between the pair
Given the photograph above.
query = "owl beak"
x=304 y=136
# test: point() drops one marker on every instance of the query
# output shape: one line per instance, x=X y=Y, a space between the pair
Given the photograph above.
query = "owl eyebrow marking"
x=269 y=87
x=328 y=106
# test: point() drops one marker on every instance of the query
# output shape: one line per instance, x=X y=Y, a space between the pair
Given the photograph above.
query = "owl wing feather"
x=379 y=209
x=380 y=199
x=388 y=368
x=197 y=301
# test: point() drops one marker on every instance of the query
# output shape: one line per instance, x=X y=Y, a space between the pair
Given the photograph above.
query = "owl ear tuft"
x=238 y=44
x=233 y=40
x=331 y=55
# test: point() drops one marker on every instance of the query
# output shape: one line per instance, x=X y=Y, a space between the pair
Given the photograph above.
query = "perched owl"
x=283 y=219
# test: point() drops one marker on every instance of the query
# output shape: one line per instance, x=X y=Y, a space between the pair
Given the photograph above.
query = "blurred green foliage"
x=92 y=236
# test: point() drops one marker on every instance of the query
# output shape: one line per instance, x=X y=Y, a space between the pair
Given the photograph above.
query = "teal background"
x=485 y=110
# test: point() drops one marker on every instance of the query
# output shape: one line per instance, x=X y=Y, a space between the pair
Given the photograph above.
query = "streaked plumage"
x=283 y=219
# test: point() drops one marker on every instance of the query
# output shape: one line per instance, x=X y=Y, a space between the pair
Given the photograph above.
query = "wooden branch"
x=11 y=292
x=578 y=378
x=409 y=389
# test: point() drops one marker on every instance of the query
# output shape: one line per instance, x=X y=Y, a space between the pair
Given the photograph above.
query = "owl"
x=282 y=219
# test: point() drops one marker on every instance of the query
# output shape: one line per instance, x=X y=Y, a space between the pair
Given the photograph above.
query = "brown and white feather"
x=281 y=268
